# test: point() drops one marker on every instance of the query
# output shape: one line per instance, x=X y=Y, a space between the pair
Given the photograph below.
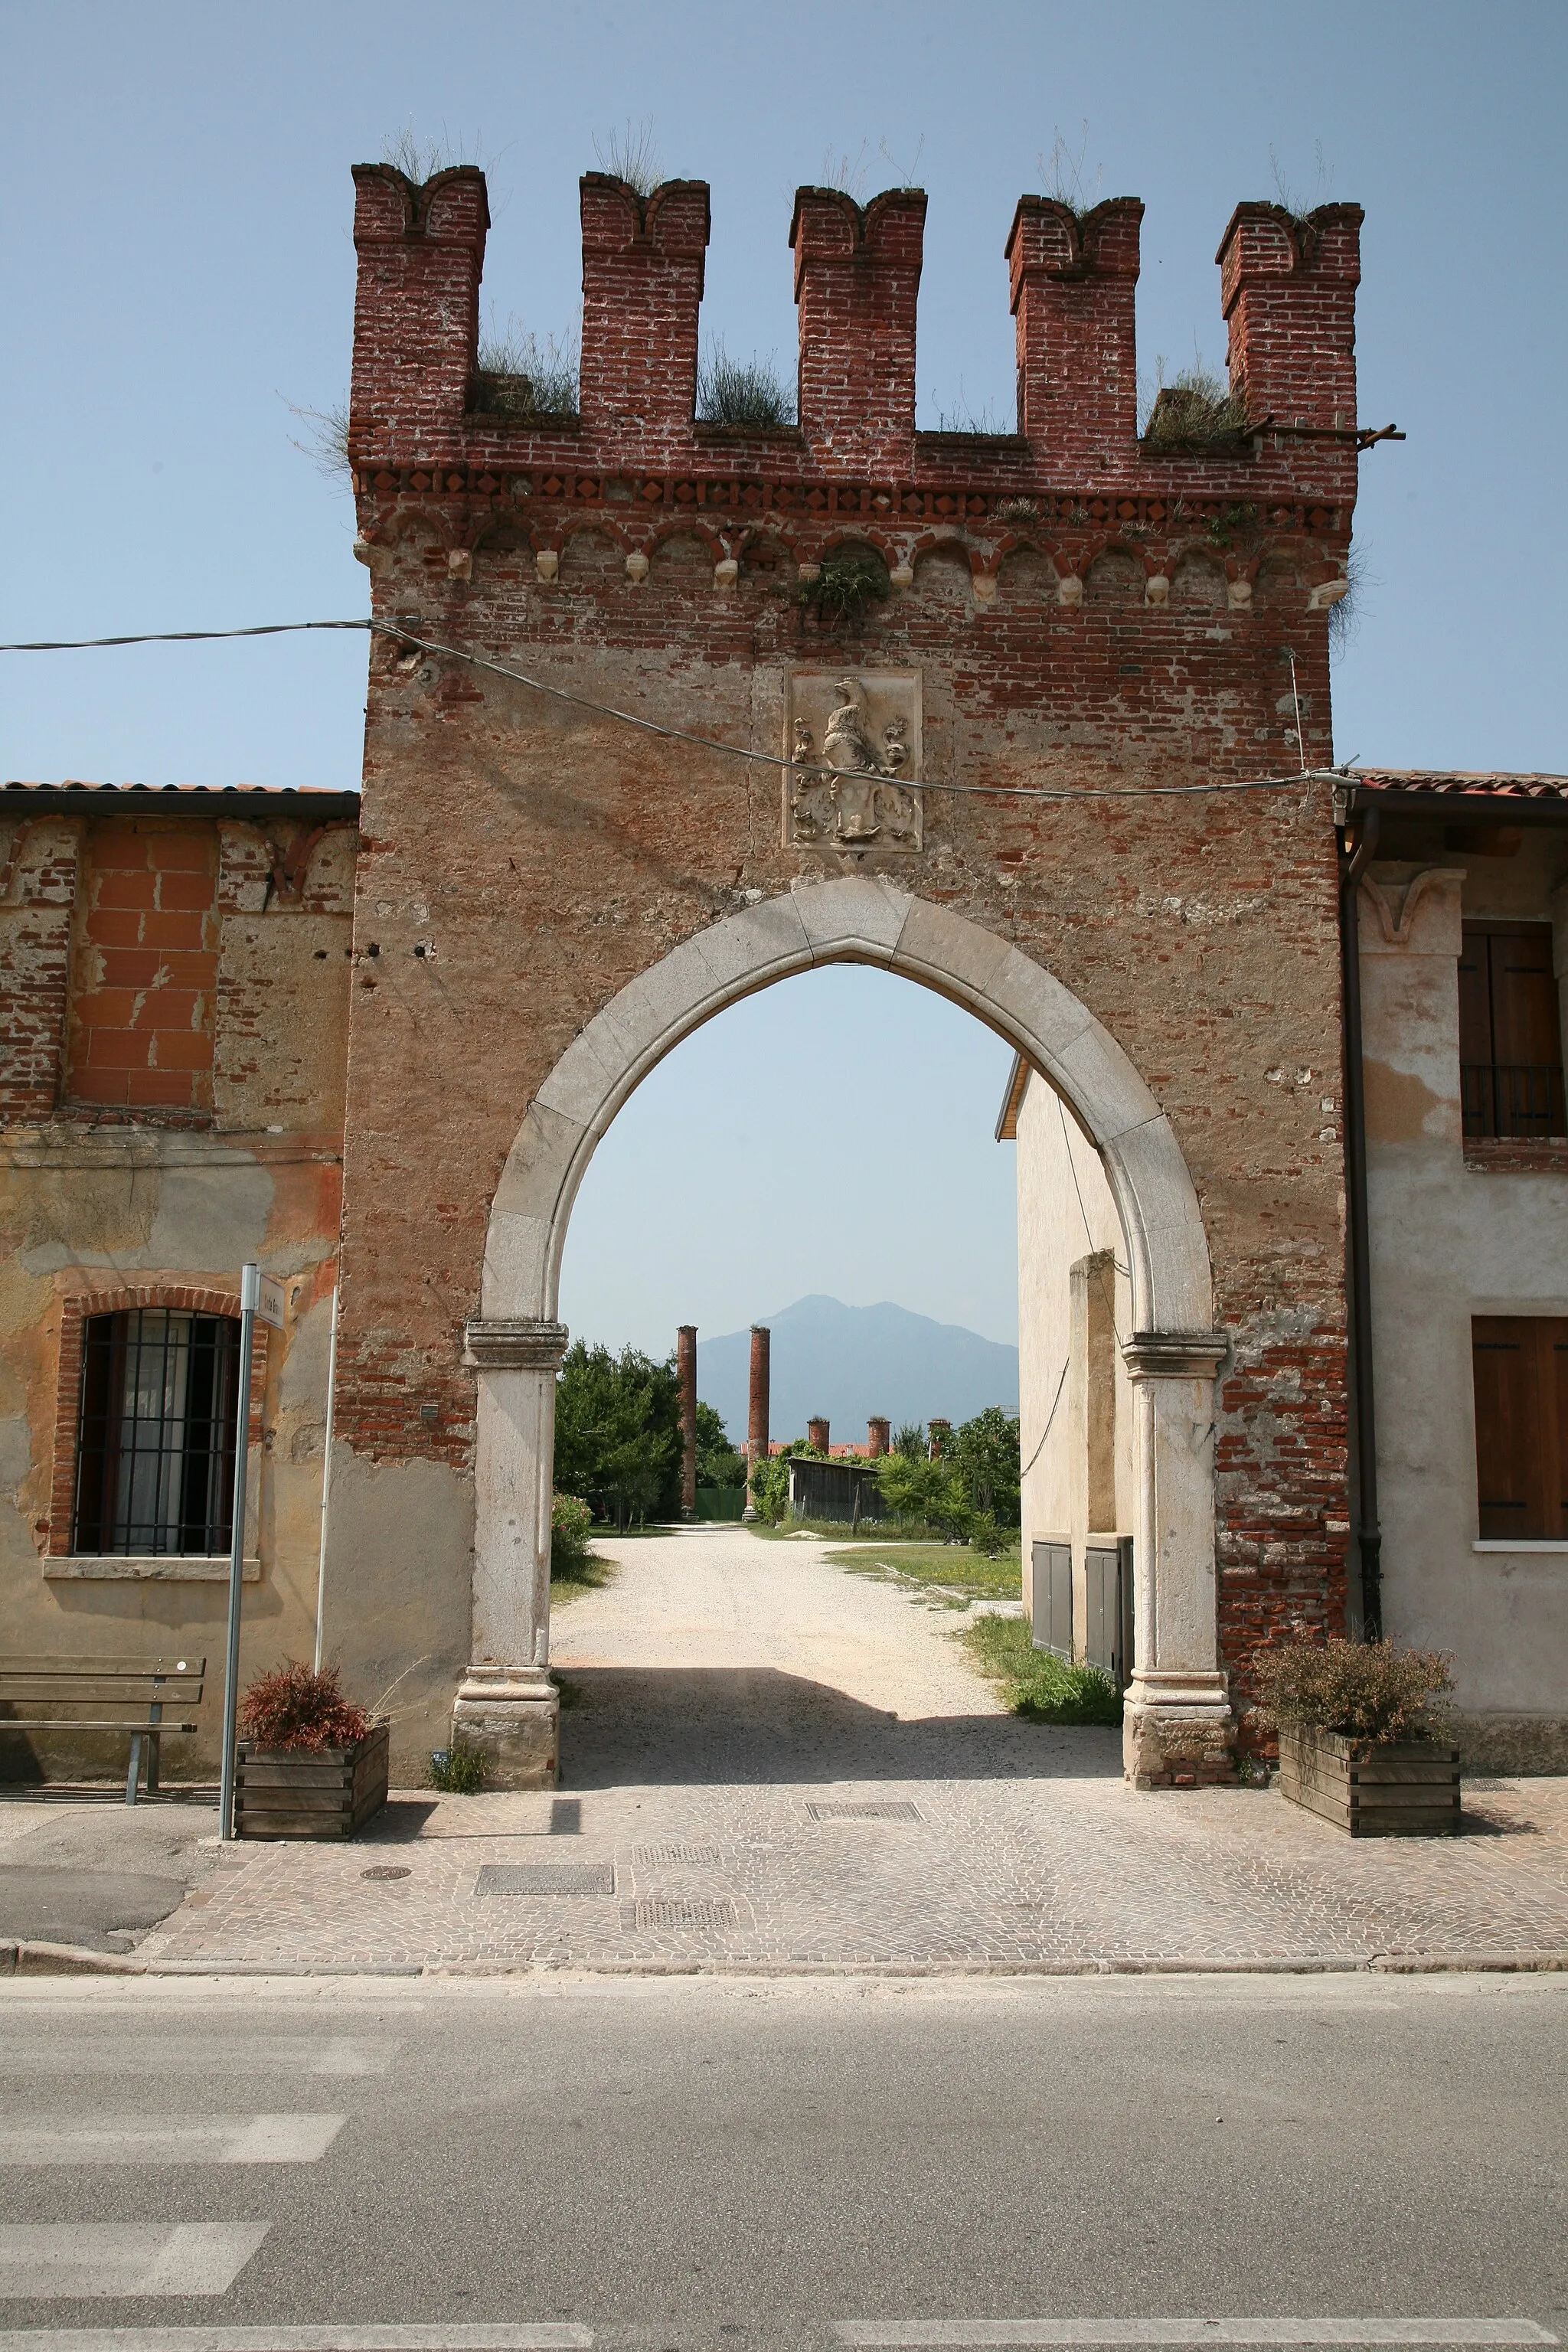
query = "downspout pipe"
x=1353 y=860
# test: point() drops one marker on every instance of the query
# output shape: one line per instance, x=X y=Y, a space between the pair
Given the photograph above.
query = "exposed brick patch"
x=37 y=889
x=1510 y=1155
x=143 y=1010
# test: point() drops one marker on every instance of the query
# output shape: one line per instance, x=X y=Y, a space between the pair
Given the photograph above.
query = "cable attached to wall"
x=675 y=734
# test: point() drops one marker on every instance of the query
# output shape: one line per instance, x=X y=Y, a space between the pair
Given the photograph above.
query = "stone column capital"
x=522 y=1343
x=1174 y=1355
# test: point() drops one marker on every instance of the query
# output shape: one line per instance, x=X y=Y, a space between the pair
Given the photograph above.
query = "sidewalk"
x=770 y=1764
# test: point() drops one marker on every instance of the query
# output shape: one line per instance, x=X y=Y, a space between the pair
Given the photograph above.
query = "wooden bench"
x=36 y=1684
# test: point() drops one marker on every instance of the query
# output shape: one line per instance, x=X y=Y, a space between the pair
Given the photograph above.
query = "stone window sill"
x=1504 y=1156
x=1508 y=1543
x=182 y=1568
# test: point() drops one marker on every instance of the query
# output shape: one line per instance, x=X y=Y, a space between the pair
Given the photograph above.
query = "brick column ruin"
x=817 y=1434
x=939 y=1432
x=686 y=1368
x=759 y=1410
x=877 y=1435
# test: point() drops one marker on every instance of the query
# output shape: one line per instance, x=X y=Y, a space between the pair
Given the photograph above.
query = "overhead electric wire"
x=680 y=734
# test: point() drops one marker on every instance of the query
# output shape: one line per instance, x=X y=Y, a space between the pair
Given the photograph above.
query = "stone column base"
x=513 y=1715
x=1178 y=1732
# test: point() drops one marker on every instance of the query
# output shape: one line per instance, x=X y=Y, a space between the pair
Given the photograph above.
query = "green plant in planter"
x=1367 y=1692
x=845 y=585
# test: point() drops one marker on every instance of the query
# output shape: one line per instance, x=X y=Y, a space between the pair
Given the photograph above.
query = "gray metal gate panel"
x=1107 y=1609
x=1050 y=1607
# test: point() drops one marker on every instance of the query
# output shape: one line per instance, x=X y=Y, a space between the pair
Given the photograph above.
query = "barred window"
x=155 y=1438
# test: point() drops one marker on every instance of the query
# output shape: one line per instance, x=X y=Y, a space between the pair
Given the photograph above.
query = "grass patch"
x=1033 y=1683
x=950 y=1573
x=587 y=1575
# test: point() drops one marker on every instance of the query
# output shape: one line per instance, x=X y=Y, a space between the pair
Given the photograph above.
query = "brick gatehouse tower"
x=549 y=898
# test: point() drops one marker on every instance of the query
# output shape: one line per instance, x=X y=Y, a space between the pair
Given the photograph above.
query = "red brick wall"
x=1083 y=611
x=141 y=1013
x=38 y=878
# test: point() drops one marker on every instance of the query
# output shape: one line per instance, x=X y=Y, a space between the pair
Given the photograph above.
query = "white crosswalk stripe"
x=40 y=2259
x=171 y=2139
x=907 y=2336
x=543 y=2335
x=162 y=2054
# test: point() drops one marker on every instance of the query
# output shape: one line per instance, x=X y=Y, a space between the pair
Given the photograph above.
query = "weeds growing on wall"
x=741 y=392
x=845 y=589
x=1195 y=412
x=631 y=155
x=522 y=375
x=323 y=437
x=420 y=159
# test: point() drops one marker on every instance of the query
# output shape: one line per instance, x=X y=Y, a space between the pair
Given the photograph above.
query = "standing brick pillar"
x=939 y=1433
x=759 y=1410
x=877 y=1435
x=686 y=1371
x=817 y=1435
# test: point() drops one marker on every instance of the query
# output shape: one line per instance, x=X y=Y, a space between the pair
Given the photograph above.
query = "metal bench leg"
x=134 y=1774
x=153 y=1763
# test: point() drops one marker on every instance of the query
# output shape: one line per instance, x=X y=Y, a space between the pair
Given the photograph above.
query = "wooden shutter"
x=1522 y=1426
x=1511 y=1044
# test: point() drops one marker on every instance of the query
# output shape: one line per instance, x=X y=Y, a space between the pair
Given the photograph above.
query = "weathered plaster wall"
x=1456 y=1234
x=148 y=1197
x=1066 y=1215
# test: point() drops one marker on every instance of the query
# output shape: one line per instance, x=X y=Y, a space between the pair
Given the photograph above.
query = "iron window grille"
x=156 y=1434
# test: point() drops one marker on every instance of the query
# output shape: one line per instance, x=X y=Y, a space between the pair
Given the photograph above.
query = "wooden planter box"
x=284 y=1793
x=1403 y=1788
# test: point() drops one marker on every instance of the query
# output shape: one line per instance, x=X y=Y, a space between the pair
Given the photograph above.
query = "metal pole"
x=326 y=1482
x=250 y=1293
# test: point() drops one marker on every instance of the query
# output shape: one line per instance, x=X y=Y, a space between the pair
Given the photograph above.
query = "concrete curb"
x=28 y=1959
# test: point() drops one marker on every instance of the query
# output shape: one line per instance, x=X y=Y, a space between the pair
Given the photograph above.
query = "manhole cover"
x=388 y=1870
x=546 y=1878
x=891 y=1809
x=671 y=1911
x=678 y=1857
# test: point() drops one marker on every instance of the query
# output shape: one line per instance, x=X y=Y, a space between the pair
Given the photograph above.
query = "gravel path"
x=719 y=1596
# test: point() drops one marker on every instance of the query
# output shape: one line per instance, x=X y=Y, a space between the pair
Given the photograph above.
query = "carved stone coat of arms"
x=854 y=745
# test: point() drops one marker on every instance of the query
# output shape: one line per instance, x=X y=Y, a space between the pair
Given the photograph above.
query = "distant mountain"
x=849 y=1362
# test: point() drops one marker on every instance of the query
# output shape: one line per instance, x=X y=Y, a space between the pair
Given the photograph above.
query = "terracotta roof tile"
x=1460 y=782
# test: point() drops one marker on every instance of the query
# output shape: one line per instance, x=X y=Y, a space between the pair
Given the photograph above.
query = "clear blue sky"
x=177 y=266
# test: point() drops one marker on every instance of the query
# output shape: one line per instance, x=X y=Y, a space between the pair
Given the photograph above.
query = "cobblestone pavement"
x=769 y=1763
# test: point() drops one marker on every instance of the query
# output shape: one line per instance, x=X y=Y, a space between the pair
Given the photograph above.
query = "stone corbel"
x=1174 y=1355
x=524 y=1343
x=1397 y=925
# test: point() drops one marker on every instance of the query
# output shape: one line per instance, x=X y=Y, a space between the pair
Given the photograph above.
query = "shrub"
x=458 y=1771
x=295 y=1708
x=571 y=1524
x=1367 y=1692
x=985 y=1535
x=845 y=583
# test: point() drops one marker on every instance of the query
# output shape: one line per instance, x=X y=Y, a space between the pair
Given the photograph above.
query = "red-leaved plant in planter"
x=295 y=1708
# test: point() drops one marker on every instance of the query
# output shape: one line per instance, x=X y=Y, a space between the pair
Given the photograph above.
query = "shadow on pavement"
x=100 y=1908
x=669 y=1725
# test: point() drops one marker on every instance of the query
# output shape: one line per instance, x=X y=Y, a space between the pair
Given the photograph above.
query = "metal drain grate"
x=678 y=1857
x=891 y=1809
x=546 y=1878
x=675 y=1911
x=388 y=1870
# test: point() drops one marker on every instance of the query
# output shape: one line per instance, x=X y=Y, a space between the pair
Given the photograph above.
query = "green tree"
x=910 y=1440
x=718 y=1462
x=984 y=1454
x=617 y=1431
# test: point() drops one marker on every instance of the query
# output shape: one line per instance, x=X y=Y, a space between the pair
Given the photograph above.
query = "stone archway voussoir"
x=858 y=919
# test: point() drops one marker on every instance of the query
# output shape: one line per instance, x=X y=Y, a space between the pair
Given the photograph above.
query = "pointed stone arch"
x=1177 y=1710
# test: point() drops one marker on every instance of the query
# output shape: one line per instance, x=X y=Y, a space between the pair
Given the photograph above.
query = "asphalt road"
x=738 y=2163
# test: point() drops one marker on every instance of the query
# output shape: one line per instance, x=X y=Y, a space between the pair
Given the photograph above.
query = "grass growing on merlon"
x=1033 y=1683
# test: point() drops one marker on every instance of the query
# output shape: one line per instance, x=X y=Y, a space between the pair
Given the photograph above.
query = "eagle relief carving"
x=854 y=745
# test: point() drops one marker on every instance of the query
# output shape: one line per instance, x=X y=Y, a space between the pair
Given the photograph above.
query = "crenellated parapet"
x=1074 y=480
